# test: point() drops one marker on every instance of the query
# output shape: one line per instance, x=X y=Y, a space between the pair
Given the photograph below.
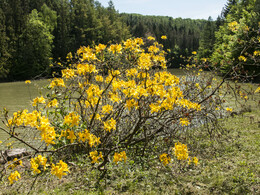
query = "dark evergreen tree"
x=207 y=39
x=34 y=58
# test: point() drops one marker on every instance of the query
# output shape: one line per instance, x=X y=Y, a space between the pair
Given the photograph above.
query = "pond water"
x=16 y=96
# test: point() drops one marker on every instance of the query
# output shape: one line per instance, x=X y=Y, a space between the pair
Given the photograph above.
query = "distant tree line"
x=35 y=33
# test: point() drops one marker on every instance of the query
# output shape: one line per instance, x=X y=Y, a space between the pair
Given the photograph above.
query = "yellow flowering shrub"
x=117 y=97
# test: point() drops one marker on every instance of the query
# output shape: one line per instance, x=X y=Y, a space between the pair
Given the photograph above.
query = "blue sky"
x=195 y=9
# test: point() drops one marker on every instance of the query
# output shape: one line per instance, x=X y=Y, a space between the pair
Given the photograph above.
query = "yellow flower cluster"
x=36 y=162
x=34 y=120
x=53 y=103
x=116 y=48
x=60 y=169
x=107 y=109
x=92 y=139
x=95 y=156
x=134 y=44
x=86 y=53
x=151 y=38
x=131 y=103
x=72 y=119
x=71 y=135
x=184 y=122
x=165 y=159
x=99 y=48
x=83 y=69
x=38 y=100
x=257 y=53
x=68 y=73
x=242 y=58
x=28 y=82
x=181 y=151
x=58 y=82
x=229 y=109
x=119 y=157
x=164 y=37
x=14 y=177
x=110 y=124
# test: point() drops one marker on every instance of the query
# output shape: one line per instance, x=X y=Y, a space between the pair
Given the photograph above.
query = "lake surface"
x=16 y=96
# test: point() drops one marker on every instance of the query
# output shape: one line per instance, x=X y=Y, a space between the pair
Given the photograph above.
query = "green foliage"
x=207 y=39
x=35 y=49
x=63 y=26
x=4 y=53
x=237 y=41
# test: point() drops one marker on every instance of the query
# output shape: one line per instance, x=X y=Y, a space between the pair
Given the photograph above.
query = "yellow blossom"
x=95 y=156
x=99 y=78
x=99 y=48
x=71 y=135
x=60 y=169
x=242 y=58
x=144 y=61
x=38 y=100
x=151 y=38
x=57 y=82
x=181 y=151
x=53 y=103
x=68 y=73
x=229 y=109
x=72 y=119
x=163 y=37
x=257 y=53
x=165 y=159
x=107 y=109
x=116 y=48
x=110 y=124
x=184 y=122
x=14 y=177
x=119 y=157
x=195 y=160
x=131 y=103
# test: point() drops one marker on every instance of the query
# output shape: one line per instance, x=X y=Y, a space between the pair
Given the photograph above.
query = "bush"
x=112 y=104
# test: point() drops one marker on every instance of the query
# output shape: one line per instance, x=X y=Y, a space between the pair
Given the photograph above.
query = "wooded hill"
x=33 y=34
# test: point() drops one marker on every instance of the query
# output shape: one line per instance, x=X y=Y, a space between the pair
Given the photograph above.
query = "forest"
x=35 y=35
